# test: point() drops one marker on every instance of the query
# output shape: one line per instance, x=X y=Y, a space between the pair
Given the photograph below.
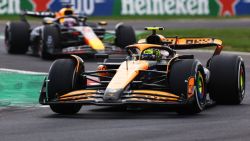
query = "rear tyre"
x=63 y=78
x=227 y=80
x=125 y=35
x=50 y=41
x=17 y=37
x=180 y=73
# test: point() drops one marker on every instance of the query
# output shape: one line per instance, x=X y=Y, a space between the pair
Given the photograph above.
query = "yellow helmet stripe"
x=154 y=28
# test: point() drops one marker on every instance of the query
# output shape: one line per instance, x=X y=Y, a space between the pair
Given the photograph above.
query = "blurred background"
x=225 y=19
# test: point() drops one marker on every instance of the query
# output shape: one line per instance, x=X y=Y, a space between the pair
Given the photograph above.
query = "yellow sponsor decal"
x=154 y=28
x=92 y=40
x=96 y=44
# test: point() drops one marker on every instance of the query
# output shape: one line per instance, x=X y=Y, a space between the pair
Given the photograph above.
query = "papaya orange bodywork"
x=153 y=92
x=125 y=75
x=191 y=83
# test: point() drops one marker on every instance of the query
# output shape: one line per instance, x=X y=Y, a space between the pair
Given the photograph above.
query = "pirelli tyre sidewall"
x=17 y=36
x=64 y=78
x=227 y=80
x=181 y=71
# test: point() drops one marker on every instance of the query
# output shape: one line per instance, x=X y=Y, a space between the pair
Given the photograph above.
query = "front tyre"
x=66 y=109
x=180 y=74
x=63 y=78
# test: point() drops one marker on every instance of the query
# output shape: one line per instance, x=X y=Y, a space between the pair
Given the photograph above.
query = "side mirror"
x=101 y=56
x=102 y=23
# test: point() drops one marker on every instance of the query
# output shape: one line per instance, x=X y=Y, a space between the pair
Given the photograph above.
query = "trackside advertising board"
x=133 y=7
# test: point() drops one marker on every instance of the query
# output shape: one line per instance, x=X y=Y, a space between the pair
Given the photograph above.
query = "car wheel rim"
x=241 y=81
x=200 y=88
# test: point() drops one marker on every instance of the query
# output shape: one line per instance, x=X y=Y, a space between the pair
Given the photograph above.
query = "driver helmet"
x=151 y=54
x=66 y=11
x=69 y=22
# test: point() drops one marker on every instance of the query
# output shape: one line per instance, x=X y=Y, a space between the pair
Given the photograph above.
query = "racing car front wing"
x=96 y=97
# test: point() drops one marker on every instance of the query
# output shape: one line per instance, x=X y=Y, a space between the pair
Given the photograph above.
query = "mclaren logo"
x=198 y=41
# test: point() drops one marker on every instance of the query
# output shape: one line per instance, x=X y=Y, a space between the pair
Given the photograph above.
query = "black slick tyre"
x=227 y=80
x=17 y=37
x=180 y=73
x=125 y=35
x=50 y=40
x=64 y=78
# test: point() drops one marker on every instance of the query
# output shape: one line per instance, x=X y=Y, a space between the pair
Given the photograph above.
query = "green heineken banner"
x=165 y=7
x=133 y=7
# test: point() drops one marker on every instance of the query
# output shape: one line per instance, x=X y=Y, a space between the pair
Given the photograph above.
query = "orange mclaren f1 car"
x=153 y=73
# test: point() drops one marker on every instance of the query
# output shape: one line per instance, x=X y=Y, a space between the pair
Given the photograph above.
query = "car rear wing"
x=192 y=43
x=38 y=14
x=35 y=14
x=184 y=43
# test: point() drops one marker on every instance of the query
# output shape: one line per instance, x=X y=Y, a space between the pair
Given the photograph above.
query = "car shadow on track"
x=124 y=113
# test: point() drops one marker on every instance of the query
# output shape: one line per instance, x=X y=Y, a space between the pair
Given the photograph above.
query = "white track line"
x=43 y=106
x=22 y=71
x=1 y=37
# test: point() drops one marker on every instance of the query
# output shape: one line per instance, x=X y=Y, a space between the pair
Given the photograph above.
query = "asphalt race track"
x=222 y=122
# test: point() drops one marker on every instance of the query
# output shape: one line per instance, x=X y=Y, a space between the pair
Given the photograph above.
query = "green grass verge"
x=17 y=89
x=234 y=39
